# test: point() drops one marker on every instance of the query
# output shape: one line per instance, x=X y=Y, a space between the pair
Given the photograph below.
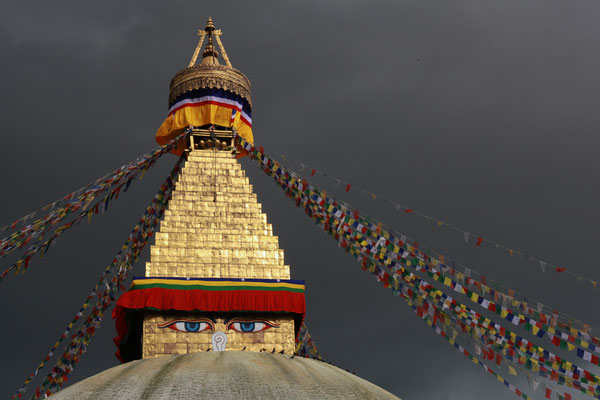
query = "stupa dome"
x=224 y=375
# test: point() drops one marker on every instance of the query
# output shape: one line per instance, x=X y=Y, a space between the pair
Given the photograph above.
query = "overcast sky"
x=482 y=113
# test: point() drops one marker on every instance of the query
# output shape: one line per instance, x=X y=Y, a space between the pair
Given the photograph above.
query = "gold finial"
x=210 y=26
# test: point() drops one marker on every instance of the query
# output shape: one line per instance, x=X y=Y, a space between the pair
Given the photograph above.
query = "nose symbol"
x=219 y=340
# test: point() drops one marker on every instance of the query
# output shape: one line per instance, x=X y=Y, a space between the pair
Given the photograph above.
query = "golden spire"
x=210 y=26
x=210 y=54
x=210 y=72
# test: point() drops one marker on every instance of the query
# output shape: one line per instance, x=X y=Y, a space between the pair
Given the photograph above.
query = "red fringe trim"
x=203 y=300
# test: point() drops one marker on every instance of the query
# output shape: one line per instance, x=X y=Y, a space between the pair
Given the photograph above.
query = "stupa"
x=216 y=313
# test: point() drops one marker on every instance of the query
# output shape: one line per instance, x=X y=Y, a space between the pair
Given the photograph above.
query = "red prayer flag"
x=498 y=359
x=312 y=173
x=558 y=269
x=348 y=186
x=568 y=396
x=479 y=241
x=242 y=153
x=262 y=149
x=408 y=210
x=548 y=393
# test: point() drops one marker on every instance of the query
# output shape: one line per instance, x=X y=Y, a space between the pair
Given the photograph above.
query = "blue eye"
x=247 y=326
x=192 y=326
x=188 y=326
x=250 y=326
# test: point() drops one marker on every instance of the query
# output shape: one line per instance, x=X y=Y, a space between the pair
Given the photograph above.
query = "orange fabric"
x=205 y=114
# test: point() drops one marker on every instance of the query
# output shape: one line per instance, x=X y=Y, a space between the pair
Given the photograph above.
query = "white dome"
x=224 y=375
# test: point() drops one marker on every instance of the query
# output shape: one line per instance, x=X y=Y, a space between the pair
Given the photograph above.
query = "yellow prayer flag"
x=511 y=370
x=570 y=347
x=574 y=331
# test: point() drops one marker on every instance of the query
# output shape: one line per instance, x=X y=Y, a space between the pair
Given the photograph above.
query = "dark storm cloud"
x=482 y=113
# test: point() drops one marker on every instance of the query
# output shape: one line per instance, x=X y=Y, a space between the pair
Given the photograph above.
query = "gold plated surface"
x=214 y=227
x=159 y=341
x=209 y=76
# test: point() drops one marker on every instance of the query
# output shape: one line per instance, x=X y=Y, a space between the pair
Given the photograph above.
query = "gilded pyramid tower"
x=214 y=227
x=216 y=279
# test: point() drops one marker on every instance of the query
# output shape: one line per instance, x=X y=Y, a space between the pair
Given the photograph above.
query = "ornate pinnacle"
x=210 y=55
x=210 y=26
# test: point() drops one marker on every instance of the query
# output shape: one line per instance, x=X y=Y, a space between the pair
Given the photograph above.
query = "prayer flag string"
x=305 y=345
x=363 y=239
x=34 y=233
x=102 y=296
x=573 y=331
x=478 y=239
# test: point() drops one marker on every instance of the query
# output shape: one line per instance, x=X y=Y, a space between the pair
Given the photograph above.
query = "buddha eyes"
x=249 y=326
x=205 y=325
x=188 y=326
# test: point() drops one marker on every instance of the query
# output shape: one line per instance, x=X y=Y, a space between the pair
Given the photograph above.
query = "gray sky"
x=481 y=113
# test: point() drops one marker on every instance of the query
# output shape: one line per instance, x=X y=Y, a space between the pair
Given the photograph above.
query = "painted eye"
x=188 y=326
x=250 y=326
